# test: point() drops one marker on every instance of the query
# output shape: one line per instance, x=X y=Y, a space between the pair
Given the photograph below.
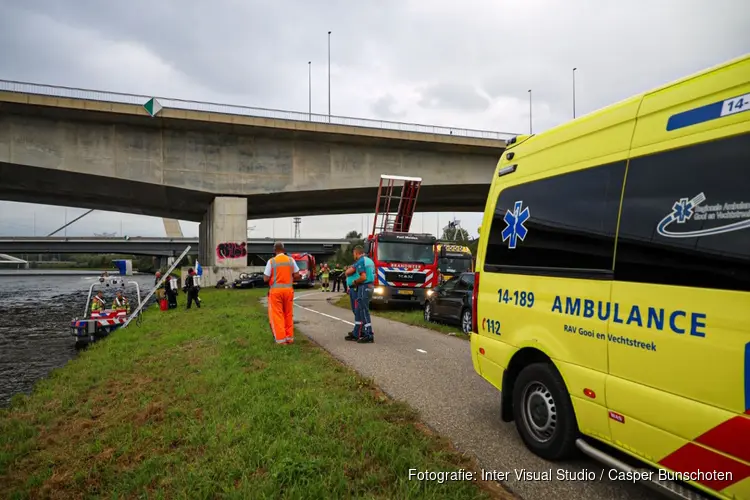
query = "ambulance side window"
x=558 y=226
x=701 y=190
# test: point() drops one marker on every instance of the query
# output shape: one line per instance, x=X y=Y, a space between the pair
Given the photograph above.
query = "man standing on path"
x=351 y=291
x=364 y=269
x=280 y=273
x=336 y=274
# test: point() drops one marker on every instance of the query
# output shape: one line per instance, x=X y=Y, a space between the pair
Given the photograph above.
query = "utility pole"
x=530 y=128
x=574 y=92
x=329 y=77
x=309 y=88
x=297 y=221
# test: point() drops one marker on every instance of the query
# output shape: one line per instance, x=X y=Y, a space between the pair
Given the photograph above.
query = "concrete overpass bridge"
x=162 y=247
x=217 y=164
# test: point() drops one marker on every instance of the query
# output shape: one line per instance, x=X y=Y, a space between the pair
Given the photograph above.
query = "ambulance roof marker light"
x=507 y=170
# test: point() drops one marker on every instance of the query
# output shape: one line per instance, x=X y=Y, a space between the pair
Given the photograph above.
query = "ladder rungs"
x=401 y=178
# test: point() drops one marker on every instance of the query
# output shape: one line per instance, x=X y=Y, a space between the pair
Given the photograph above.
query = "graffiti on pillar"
x=231 y=251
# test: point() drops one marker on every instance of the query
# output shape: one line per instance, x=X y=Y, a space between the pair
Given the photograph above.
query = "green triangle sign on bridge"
x=152 y=107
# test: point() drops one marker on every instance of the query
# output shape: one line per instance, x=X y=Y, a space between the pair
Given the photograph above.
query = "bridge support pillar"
x=223 y=239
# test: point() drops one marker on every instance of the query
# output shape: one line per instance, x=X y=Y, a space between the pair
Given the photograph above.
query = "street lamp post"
x=530 y=128
x=574 y=92
x=329 y=76
x=309 y=89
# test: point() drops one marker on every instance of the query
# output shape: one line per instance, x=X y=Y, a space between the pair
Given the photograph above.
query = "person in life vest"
x=280 y=273
x=97 y=304
x=192 y=289
x=325 y=275
x=160 y=292
x=121 y=303
x=170 y=287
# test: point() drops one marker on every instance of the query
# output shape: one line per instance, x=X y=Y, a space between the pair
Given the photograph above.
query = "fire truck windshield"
x=454 y=265
x=422 y=253
x=302 y=264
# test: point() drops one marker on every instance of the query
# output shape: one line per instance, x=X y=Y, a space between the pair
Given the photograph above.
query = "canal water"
x=35 y=314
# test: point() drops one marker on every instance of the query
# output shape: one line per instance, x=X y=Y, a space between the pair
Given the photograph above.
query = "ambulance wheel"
x=543 y=412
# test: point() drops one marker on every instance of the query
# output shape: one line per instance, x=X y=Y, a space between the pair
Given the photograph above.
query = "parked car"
x=253 y=280
x=451 y=302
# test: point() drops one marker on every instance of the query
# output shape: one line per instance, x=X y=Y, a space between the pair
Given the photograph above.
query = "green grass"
x=203 y=404
x=413 y=317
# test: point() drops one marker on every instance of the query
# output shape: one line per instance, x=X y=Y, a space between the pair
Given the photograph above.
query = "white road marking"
x=422 y=351
x=324 y=314
x=304 y=295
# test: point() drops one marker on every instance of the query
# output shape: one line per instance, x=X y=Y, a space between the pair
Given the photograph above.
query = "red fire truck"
x=405 y=263
x=306 y=264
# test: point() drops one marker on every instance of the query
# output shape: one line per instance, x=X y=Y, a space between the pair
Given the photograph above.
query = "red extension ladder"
x=396 y=203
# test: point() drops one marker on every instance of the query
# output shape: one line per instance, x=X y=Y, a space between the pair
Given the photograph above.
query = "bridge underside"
x=56 y=187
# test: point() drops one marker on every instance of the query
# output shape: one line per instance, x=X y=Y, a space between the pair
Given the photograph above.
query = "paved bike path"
x=433 y=373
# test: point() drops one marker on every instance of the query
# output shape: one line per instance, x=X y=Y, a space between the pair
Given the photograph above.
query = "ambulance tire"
x=543 y=412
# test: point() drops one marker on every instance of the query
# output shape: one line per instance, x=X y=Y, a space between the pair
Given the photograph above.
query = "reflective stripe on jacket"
x=97 y=304
x=121 y=304
x=282 y=271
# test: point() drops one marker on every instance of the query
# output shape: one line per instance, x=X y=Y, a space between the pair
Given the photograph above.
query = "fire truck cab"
x=306 y=264
x=405 y=265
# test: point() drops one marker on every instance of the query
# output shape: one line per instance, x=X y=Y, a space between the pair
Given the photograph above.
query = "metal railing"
x=210 y=107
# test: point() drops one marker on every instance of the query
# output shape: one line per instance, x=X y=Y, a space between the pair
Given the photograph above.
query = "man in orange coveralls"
x=280 y=273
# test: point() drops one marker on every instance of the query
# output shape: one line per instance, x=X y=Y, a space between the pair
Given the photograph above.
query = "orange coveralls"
x=281 y=299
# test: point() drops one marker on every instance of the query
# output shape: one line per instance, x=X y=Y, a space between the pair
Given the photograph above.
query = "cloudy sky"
x=461 y=64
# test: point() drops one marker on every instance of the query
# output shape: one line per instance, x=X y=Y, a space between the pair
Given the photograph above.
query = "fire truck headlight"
x=378 y=290
x=430 y=293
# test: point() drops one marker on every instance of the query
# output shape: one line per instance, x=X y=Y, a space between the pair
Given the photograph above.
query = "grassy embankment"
x=201 y=403
x=414 y=317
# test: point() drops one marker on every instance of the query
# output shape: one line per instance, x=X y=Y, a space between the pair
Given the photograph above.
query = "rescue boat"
x=93 y=326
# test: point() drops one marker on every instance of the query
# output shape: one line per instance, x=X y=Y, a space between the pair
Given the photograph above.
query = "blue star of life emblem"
x=515 y=224
x=682 y=210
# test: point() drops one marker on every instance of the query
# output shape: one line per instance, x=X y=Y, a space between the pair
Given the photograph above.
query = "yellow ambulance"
x=612 y=292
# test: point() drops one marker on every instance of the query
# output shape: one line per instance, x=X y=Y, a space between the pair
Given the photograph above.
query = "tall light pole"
x=530 y=129
x=329 y=76
x=309 y=89
x=574 y=92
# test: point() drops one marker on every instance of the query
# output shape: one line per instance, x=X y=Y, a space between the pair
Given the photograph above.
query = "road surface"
x=433 y=373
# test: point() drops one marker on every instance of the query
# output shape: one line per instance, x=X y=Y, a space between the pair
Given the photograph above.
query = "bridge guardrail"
x=230 y=109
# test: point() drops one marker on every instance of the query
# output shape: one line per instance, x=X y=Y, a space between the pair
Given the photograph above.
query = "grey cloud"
x=431 y=61
x=251 y=48
x=384 y=107
x=453 y=97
